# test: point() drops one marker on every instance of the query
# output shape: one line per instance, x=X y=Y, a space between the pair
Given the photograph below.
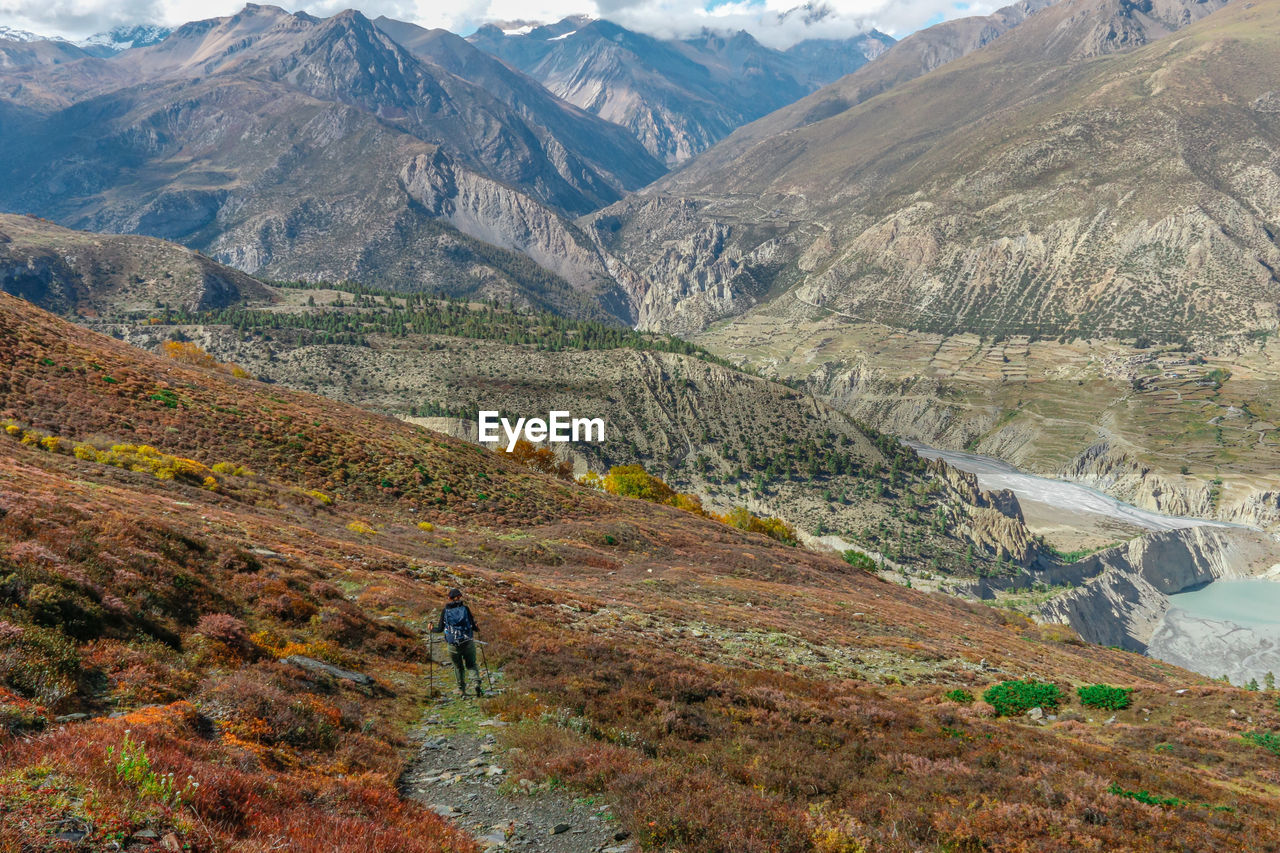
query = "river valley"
x=1204 y=595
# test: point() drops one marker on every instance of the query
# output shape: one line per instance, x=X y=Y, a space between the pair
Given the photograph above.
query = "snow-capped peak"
x=22 y=35
x=127 y=36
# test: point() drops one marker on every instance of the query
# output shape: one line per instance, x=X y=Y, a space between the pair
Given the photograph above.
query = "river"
x=1060 y=494
x=1228 y=627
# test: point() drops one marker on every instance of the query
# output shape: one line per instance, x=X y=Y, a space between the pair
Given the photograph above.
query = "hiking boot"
x=479 y=692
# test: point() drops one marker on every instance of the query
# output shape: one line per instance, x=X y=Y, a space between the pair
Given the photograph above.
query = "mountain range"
x=678 y=96
x=107 y=43
x=993 y=176
x=1031 y=187
x=295 y=147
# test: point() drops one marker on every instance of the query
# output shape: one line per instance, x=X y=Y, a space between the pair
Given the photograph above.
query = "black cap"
x=454 y=592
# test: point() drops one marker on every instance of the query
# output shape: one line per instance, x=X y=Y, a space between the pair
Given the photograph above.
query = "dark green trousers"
x=464 y=654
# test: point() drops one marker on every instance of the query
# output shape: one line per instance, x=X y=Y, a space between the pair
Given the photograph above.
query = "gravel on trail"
x=460 y=773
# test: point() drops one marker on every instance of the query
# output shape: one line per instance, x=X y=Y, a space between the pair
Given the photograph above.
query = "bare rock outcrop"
x=489 y=211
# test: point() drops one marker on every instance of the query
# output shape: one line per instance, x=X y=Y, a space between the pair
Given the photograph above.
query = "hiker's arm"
x=439 y=626
x=472 y=617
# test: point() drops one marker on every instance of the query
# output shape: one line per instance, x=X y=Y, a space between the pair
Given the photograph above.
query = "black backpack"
x=457 y=625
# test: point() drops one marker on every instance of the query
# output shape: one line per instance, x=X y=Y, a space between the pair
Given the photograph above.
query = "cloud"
x=777 y=23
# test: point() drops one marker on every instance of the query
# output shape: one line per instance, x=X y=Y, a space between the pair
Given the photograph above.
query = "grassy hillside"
x=727 y=692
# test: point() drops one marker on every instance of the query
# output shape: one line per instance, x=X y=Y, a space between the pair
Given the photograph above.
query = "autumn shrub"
x=1105 y=697
x=228 y=630
x=361 y=527
x=147 y=459
x=38 y=662
x=1011 y=698
x=187 y=352
x=774 y=528
x=540 y=459
x=268 y=704
x=632 y=481
x=289 y=607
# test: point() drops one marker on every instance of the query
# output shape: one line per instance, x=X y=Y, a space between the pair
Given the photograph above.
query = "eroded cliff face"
x=492 y=212
x=1125 y=590
x=992 y=520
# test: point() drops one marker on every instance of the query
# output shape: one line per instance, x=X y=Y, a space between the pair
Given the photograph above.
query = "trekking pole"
x=431 y=661
x=484 y=659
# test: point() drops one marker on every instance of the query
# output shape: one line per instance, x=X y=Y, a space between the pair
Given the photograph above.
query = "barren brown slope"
x=71 y=272
x=727 y=693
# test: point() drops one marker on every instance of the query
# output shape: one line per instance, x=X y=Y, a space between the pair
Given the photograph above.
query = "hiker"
x=459 y=629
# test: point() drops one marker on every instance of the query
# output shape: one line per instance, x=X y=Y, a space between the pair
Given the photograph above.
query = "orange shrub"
x=540 y=459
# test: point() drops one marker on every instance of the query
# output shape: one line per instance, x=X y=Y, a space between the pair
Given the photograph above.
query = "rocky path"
x=461 y=774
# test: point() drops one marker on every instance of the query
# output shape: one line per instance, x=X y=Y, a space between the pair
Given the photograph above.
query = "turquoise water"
x=1245 y=602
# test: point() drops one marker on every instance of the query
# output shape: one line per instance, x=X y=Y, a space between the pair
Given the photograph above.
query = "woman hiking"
x=459 y=629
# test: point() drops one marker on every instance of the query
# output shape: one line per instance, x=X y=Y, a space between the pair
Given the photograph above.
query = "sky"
x=777 y=23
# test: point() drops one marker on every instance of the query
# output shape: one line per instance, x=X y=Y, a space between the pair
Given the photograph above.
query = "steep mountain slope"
x=1045 y=184
x=771 y=698
x=73 y=273
x=294 y=147
x=676 y=97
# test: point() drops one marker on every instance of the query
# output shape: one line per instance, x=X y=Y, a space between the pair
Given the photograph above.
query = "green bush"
x=1270 y=741
x=1144 y=796
x=1105 y=697
x=859 y=560
x=1011 y=698
x=964 y=697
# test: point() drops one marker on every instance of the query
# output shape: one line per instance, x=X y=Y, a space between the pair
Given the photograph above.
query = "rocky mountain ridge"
x=1003 y=200
x=677 y=96
x=343 y=121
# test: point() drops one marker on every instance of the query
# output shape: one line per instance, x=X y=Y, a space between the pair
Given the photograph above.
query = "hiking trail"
x=460 y=773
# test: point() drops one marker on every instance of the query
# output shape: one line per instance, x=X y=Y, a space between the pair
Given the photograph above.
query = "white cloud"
x=774 y=22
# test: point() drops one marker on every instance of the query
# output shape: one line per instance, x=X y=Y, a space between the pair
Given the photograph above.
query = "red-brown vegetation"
x=727 y=693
